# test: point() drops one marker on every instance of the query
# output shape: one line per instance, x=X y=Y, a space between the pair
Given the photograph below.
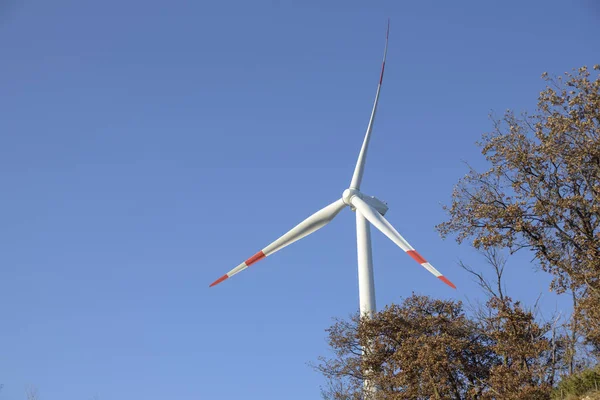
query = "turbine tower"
x=368 y=210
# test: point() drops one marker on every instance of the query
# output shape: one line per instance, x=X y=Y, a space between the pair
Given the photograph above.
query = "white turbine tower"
x=368 y=209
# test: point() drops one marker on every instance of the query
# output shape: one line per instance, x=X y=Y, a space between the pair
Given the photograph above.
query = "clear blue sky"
x=148 y=147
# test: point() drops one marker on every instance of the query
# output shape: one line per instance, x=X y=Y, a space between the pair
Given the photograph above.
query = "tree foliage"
x=542 y=190
x=430 y=349
x=527 y=366
x=579 y=384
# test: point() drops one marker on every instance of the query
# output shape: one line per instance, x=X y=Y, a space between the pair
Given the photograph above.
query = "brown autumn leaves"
x=430 y=349
x=541 y=194
x=542 y=191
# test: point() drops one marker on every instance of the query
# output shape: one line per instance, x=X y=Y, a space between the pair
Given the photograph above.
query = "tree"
x=527 y=368
x=429 y=349
x=542 y=190
x=426 y=348
x=531 y=353
x=421 y=349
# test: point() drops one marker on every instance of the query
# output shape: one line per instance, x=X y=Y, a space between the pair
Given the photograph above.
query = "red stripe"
x=221 y=279
x=257 y=257
x=382 y=69
x=416 y=256
x=446 y=281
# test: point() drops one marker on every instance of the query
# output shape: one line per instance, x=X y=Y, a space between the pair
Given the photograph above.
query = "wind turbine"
x=368 y=209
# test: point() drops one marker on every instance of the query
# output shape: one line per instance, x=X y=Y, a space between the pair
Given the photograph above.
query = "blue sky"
x=148 y=147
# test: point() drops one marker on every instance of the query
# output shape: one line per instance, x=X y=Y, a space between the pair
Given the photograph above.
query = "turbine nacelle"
x=373 y=201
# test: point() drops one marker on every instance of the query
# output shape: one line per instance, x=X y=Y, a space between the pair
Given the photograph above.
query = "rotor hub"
x=349 y=194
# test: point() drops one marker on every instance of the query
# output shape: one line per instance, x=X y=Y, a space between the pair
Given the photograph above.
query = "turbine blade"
x=388 y=230
x=304 y=228
x=362 y=156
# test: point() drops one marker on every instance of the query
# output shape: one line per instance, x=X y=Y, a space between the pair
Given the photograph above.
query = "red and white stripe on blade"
x=304 y=228
x=388 y=230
